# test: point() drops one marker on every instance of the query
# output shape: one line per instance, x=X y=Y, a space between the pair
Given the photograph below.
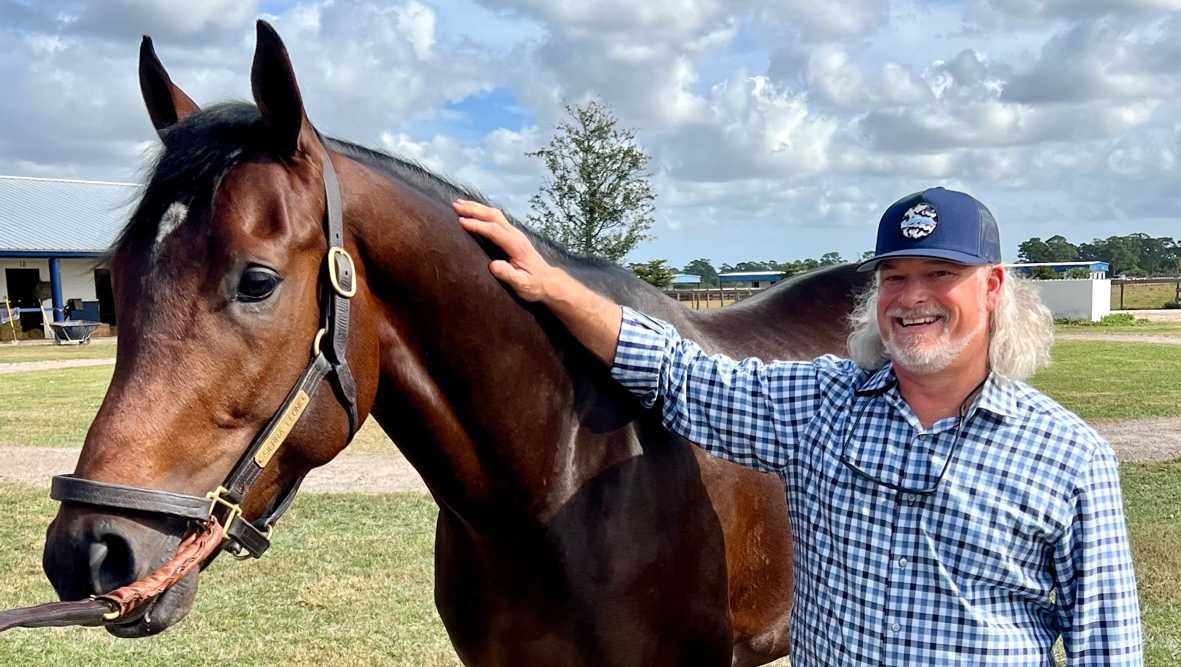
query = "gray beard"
x=927 y=359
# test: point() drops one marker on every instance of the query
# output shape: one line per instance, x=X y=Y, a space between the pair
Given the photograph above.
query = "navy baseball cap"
x=940 y=224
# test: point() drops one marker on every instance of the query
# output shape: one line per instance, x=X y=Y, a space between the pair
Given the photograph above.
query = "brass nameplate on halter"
x=282 y=427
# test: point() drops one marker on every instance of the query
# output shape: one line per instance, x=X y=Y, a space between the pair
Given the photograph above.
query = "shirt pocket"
x=989 y=544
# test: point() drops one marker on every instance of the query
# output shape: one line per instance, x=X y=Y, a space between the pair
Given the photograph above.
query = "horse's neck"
x=473 y=390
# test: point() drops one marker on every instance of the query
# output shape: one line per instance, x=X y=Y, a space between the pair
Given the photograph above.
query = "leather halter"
x=243 y=537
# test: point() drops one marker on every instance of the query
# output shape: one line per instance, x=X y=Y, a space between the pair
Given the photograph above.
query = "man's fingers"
x=471 y=209
x=490 y=230
x=503 y=271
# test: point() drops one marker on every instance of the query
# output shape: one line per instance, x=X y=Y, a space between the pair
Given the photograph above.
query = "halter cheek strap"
x=244 y=537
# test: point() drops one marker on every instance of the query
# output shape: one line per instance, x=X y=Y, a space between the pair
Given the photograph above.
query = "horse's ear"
x=272 y=79
x=166 y=103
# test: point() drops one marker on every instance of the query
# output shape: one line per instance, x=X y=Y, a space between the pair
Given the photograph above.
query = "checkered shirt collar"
x=999 y=396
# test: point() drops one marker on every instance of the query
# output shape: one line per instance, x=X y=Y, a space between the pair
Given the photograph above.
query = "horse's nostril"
x=111 y=563
x=98 y=553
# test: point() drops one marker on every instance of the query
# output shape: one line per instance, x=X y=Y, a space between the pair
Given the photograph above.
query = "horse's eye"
x=257 y=284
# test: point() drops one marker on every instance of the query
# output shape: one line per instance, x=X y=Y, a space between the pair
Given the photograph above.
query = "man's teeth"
x=910 y=322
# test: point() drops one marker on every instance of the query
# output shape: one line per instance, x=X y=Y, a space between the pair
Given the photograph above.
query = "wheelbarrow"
x=73 y=332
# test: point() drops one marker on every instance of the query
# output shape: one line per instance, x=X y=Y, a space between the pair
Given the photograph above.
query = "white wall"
x=77 y=276
x=1076 y=299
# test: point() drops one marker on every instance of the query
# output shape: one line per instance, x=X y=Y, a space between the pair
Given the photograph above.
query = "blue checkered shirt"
x=1024 y=539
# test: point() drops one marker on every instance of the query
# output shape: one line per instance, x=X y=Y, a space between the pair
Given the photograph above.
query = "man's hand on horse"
x=525 y=271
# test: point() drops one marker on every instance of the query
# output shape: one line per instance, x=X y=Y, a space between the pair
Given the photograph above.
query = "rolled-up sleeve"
x=1100 y=614
x=748 y=411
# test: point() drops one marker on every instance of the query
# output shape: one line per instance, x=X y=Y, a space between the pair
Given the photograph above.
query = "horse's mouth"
x=161 y=613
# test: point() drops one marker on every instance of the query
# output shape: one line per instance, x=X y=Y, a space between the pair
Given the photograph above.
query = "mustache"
x=917 y=313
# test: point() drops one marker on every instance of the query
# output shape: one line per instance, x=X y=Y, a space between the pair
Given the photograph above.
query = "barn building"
x=54 y=234
x=754 y=279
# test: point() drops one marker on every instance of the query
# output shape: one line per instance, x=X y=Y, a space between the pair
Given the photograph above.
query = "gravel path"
x=1121 y=338
x=362 y=472
x=53 y=364
x=1138 y=441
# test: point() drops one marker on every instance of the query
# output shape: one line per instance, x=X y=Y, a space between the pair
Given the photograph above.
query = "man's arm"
x=1093 y=564
x=747 y=412
x=592 y=318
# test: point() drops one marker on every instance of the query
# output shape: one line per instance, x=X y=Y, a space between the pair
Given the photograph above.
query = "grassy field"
x=1121 y=326
x=364 y=596
x=54 y=408
x=51 y=408
x=1083 y=379
x=30 y=352
x=1144 y=297
x=321 y=596
x=327 y=596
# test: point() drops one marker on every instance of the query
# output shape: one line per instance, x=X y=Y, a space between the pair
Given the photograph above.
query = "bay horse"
x=573 y=529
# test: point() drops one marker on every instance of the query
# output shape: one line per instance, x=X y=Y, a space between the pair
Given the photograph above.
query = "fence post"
x=11 y=321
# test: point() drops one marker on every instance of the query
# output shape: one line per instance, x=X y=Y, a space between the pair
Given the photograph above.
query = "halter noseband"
x=241 y=537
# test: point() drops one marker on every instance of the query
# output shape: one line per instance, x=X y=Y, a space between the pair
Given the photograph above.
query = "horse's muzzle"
x=90 y=553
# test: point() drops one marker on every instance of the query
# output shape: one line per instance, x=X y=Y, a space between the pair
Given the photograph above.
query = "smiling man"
x=944 y=512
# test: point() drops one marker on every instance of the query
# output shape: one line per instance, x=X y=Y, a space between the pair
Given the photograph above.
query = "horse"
x=573 y=528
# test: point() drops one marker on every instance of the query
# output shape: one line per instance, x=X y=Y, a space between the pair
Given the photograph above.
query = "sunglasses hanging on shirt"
x=927 y=490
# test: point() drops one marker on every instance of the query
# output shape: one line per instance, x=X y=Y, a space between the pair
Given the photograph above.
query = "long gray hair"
x=1020 y=331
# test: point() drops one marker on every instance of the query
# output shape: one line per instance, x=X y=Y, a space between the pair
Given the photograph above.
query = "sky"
x=777 y=129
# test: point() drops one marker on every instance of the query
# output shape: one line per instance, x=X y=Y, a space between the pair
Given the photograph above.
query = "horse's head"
x=221 y=284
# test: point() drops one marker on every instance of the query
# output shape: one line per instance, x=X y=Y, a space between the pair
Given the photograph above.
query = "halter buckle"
x=234 y=510
x=334 y=275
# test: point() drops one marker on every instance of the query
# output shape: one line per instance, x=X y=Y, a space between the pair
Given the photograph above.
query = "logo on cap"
x=919 y=221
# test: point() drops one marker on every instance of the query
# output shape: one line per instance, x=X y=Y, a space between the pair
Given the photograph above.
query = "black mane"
x=202 y=148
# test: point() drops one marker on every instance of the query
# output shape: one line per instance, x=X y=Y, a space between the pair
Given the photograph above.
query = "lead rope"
x=113 y=607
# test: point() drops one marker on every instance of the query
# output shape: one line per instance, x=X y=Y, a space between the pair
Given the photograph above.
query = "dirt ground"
x=23 y=366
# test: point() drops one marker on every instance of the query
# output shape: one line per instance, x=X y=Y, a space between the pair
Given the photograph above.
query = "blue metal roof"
x=40 y=217
x=750 y=276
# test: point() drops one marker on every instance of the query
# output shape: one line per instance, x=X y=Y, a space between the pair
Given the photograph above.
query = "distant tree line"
x=1135 y=255
x=659 y=273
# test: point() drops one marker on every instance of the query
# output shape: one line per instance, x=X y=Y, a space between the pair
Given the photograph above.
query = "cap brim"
x=934 y=253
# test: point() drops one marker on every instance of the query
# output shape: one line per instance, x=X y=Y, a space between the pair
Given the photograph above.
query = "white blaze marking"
x=172 y=218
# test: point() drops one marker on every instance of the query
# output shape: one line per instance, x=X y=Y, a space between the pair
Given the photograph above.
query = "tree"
x=596 y=200
x=702 y=267
x=830 y=258
x=1061 y=250
x=654 y=272
x=1033 y=251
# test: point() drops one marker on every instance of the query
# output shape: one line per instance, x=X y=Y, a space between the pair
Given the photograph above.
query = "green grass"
x=20 y=353
x=1140 y=328
x=1120 y=323
x=54 y=408
x=324 y=594
x=51 y=408
x=1102 y=380
x=329 y=596
x=1152 y=501
x=1144 y=297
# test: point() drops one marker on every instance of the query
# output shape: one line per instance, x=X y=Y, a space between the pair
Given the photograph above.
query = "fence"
x=712 y=297
x=1122 y=282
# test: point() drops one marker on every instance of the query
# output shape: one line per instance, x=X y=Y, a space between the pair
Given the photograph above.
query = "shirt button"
x=896 y=627
x=902 y=562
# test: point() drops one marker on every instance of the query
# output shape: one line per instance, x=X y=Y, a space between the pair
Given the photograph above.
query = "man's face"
x=933 y=314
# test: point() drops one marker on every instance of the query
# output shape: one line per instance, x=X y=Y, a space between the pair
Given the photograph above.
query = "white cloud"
x=770 y=122
x=416 y=22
